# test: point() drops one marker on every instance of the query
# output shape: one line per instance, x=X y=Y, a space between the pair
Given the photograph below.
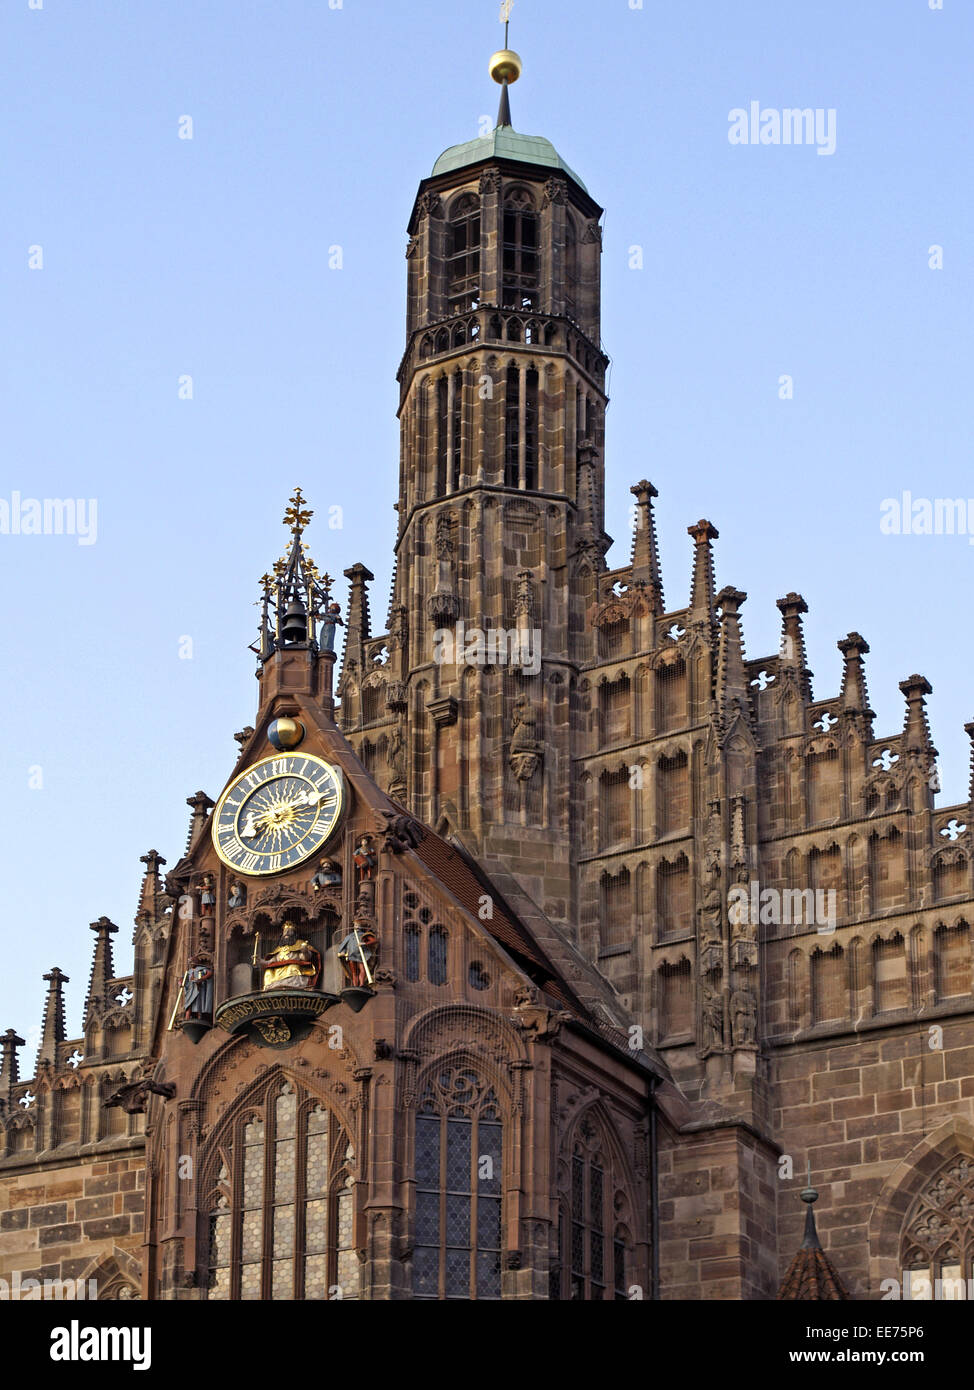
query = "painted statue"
x=294 y=964
x=365 y=857
x=357 y=954
x=198 y=989
x=238 y=895
x=331 y=619
x=329 y=875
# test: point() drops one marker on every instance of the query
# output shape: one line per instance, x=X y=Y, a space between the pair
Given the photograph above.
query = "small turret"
x=704 y=533
x=102 y=968
x=53 y=1030
x=645 y=546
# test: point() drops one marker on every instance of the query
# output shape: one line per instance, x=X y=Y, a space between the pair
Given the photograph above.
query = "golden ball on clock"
x=285 y=734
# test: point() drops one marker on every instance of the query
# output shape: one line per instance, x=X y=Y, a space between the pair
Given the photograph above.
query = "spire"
x=10 y=1062
x=645 y=548
x=102 y=966
x=151 y=885
x=359 y=619
x=505 y=68
x=295 y=598
x=811 y=1276
x=53 y=1030
x=916 y=730
x=854 y=697
x=732 y=686
x=702 y=587
x=201 y=806
x=969 y=731
x=792 y=653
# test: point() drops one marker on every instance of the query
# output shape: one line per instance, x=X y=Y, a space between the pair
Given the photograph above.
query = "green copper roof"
x=504 y=143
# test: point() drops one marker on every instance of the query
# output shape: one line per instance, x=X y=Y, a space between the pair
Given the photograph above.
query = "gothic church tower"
x=466 y=708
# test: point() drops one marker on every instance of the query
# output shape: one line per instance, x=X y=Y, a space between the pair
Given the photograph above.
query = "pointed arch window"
x=463 y=255
x=521 y=262
x=531 y=429
x=937 y=1242
x=459 y=1163
x=512 y=428
x=594 y=1246
x=457 y=431
x=282 y=1204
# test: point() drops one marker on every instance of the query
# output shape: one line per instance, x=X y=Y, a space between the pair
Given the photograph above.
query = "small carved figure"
x=526 y=748
x=365 y=857
x=713 y=1018
x=198 y=989
x=238 y=895
x=357 y=954
x=331 y=620
x=208 y=896
x=295 y=964
x=402 y=833
x=329 y=875
x=744 y=1012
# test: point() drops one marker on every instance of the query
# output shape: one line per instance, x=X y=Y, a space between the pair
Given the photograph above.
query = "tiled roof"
x=811 y=1276
x=468 y=885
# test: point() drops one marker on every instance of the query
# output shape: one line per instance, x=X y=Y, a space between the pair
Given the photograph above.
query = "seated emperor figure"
x=292 y=965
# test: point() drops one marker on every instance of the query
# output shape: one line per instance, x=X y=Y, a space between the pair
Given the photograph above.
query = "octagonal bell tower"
x=466 y=708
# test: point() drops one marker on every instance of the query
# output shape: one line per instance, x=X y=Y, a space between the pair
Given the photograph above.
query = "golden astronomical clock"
x=278 y=813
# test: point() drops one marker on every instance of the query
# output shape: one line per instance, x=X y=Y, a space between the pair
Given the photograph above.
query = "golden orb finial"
x=505 y=65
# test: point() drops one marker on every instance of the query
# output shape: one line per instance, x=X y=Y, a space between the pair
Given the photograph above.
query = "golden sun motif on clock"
x=278 y=813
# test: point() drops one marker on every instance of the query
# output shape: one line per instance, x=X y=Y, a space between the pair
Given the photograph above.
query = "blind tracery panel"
x=459 y=1156
x=281 y=1210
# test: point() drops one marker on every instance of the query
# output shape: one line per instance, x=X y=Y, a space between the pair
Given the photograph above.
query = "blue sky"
x=312 y=126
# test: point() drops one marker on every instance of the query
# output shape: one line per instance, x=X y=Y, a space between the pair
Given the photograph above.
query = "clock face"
x=278 y=813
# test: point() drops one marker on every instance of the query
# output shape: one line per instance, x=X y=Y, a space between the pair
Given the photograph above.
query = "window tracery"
x=937 y=1246
x=459 y=1163
x=282 y=1204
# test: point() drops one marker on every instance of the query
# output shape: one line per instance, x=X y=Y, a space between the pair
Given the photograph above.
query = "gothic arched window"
x=281 y=1204
x=937 y=1245
x=442 y=417
x=512 y=428
x=520 y=253
x=531 y=429
x=457 y=428
x=459 y=1162
x=593 y=1244
x=463 y=255
x=571 y=268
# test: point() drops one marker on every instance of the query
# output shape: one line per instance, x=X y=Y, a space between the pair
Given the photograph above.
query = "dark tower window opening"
x=463 y=255
x=531 y=430
x=512 y=430
x=571 y=268
x=442 y=396
x=457 y=429
x=521 y=262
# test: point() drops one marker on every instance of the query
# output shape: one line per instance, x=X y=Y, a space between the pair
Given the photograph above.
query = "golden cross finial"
x=296 y=516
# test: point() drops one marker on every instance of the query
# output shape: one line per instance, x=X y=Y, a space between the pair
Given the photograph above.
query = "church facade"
x=548 y=960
